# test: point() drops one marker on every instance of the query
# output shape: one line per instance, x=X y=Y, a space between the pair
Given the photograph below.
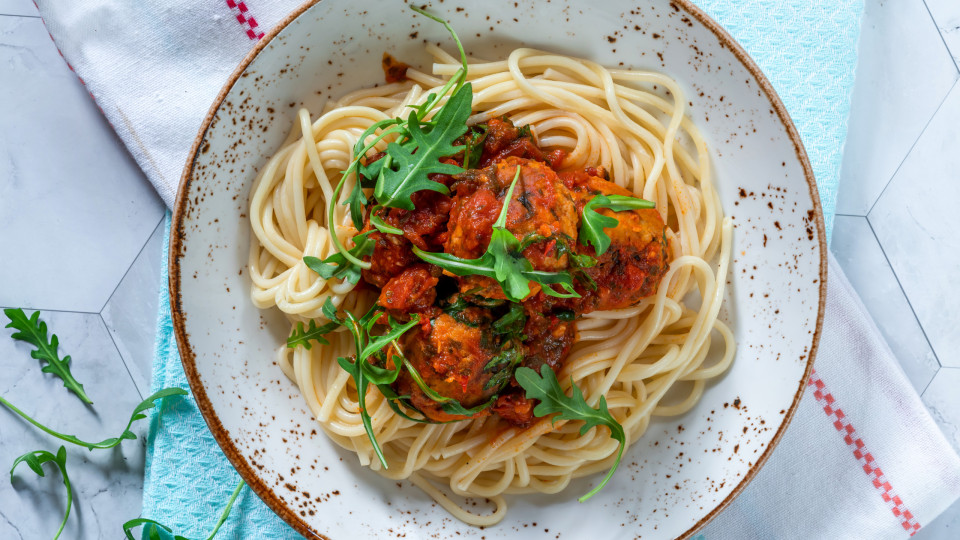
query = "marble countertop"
x=82 y=231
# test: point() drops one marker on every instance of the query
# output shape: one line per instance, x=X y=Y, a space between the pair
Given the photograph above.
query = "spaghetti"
x=650 y=359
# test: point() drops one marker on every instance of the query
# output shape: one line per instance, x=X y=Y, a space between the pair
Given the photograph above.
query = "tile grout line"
x=30 y=308
x=905 y=296
x=956 y=83
x=127 y=271
x=940 y=33
x=120 y=354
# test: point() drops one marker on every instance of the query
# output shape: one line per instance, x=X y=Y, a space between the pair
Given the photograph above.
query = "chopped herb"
x=512 y=323
x=474 y=146
x=503 y=365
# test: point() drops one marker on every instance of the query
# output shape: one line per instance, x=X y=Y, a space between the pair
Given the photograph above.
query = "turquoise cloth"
x=807 y=48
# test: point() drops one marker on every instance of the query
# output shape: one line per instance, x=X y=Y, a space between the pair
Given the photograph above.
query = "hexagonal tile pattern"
x=89 y=203
x=946 y=13
x=107 y=484
x=131 y=312
x=888 y=112
x=916 y=221
x=862 y=260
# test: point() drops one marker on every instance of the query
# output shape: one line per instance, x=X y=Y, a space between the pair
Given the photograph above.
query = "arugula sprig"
x=593 y=223
x=340 y=265
x=546 y=388
x=35 y=460
x=137 y=414
x=363 y=371
x=504 y=262
x=34 y=331
x=151 y=526
x=302 y=336
x=414 y=153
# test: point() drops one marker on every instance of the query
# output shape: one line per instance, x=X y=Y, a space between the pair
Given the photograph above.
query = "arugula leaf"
x=151 y=526
x=302 y=336
x=380 y=224
x=404 y=172
x=341 y=267
x=362 y=371
x=137 y=414
x=503 y=261
x=150 y=529
x=394 y=186
x=546 y=388
x=455 y=407
x=35 y=460
x=593 y=223
x=34 y=331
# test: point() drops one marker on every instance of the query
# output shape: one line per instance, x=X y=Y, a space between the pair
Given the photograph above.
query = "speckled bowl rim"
x=188 y=358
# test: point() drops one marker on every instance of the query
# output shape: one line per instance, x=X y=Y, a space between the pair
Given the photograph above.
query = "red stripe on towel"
x=866 y=459
x=246 y=20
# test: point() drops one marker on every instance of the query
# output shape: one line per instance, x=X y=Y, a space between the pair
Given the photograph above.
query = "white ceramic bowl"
x=684 y=470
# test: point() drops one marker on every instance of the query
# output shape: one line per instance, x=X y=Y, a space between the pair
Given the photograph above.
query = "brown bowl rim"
x=177 y=234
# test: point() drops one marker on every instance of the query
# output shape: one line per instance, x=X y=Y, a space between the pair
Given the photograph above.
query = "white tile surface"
x=916 y=221
x=107 y=484
x=942 y=397
x=24 y=8
x=131 y=313
x=858 y=252
x=74 y=207
x=946 y=13
x=904 y=72
x=945 y=527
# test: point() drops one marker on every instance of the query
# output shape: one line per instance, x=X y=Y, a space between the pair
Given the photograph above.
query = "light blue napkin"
x=807 y=48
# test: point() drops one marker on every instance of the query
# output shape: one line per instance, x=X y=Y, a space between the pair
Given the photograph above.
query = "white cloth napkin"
x=862 y=458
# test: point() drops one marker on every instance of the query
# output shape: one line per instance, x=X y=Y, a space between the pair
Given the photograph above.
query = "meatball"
x=454 y=356
x=541 y=211
x=637 y=259
x=412 y=290
x=391 y=255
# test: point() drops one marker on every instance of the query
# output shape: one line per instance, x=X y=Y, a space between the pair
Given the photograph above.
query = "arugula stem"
x=105 y=444
x=463 y=55
x=367 y=147
x=606 y=478
x=45 y=429
x=226 y=511
x=332 y=226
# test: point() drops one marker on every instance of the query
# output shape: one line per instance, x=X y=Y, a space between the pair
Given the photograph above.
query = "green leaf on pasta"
x=546 y=388
x=593 y=223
